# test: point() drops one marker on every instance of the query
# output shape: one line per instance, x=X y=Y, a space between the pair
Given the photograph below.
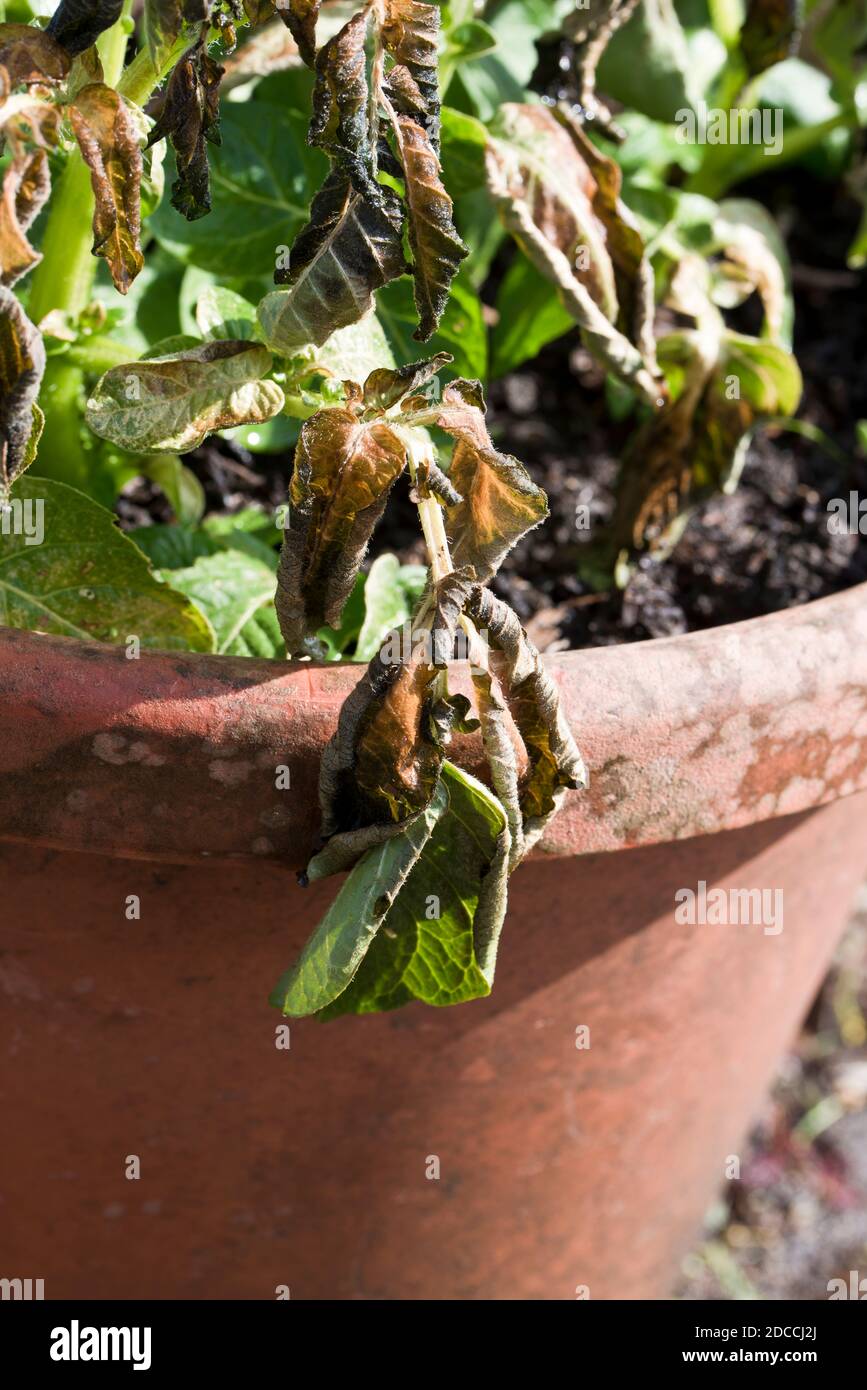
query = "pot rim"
x=174 y=756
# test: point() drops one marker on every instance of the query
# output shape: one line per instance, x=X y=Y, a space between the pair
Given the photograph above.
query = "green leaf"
x=463 y=152
x=646 y=66
x=530 y=316
x=220 y=313
x=391 y=593
x=171 y=404
x=262 y=178
x=185 y=493
x=236 y=592
x=337 y=947
x=461 y=331
x=438 y=941
x=87 y=580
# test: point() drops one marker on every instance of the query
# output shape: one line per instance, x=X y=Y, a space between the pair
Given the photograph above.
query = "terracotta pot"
x=726 y=757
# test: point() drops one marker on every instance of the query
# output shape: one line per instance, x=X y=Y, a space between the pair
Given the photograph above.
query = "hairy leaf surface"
x=437 y=250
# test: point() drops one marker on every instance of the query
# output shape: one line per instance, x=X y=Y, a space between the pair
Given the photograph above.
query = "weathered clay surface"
x=306 y=1167
x=175 y=757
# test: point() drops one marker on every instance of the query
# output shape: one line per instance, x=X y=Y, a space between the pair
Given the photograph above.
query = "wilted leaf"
x=30 y=56
x=449 y=957
x=591 y=29
x=382 y=765
x=76 y=24
x=22 y=363
x=554 y=762
x=108 y=140
x=337 y=947
x=756 y=259
x=26 y=186
x=343 y=472
x=386 y=386
x=343 y=122
x=171 y=404
x=411 y=36
x=695 y=446
x=300 y=18
x=86 y=579
x=550 y=201
x=437 y=250
x=770 y=32
x=348 y=249
x=189 y=116
x=499 y=501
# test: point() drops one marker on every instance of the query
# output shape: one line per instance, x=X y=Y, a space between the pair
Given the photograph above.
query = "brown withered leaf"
x=76 y=24
x=30 y=56
x=29 y=132
x=343 y=471
x=386 y=386
x=108 y=140
x=300 y=18
x=349 y=248
x=437 y=250
x=343 y=123
x=551 y=203
x=189 y=116
x=410 y=33
x=382 y=766
x=770 y=33
x=591 y=29
x=499 y=502
x=554 y=763
x=695 y=446
x=502 y=752
x=22 y=363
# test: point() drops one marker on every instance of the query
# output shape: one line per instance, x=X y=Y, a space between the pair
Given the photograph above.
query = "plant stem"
x=142 y=78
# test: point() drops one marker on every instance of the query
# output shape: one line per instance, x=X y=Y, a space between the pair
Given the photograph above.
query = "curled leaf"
x=349 y=248
x=189 y=116
x=22 y=363
x=30 y=56
x=343 y=122
x=343 y=472
x=386 y=387
x=554 y=762
x=171 y=404
x=76 y=24
x=755 y=258
x=498 y=501
x=437 y=250
x=721 y=385
x=591 y=29
x=108 y=140
x=382 y=765
x=410 y=34
x=163 y=20
x=30 y=128
x=300 y=18
x=571 y=226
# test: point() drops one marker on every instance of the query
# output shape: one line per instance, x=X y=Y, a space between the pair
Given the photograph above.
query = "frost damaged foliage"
x=560 y=199
x=427 y=847
x=376 y=114
x=22 y=364
x=189 y=116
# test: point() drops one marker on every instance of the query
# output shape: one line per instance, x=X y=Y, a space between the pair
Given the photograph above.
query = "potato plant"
x=246 y=219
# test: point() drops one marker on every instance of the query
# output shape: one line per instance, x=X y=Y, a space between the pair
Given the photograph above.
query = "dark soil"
x=764 y=548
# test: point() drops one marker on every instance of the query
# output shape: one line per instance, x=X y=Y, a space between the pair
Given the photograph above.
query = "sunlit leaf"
x=108 y=140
